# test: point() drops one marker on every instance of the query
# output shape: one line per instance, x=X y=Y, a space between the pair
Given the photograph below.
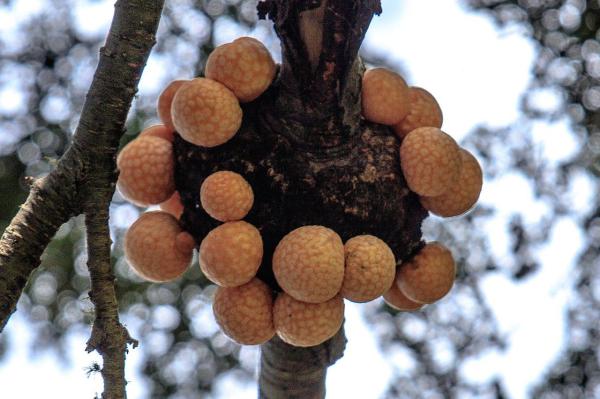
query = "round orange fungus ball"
x=146 y=167
x=424 y=112
x=156 y=247
x=385 y=96
x=370 y=268
x=245 y=66
x=430 y=161
x=165 y=99
x=460 y=197
x=173 y=205
x=158 y=131
x=231 y=253
x=245 y=313
x=397 y=300
x=307 y=324
x=429 y=275
x=308 y=263
x=205 y=112
x=226 y=196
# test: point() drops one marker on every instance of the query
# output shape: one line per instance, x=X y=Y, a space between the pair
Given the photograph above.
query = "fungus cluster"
x=314 y=268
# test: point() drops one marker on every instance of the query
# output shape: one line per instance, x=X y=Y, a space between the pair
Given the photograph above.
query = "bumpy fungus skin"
x=308 y=264
x=385 y=97
x=231 y=254
x=205 y=112
x=429 y=275
x=146 y=166
x=226 y=196
x=430 y=161
x=307 y=324
x=173 y=205
x=156 y=247
x=461 y=196
x=244 y=66
x=370 y=268
x=395 y=299
x=161 y=131
x=165 y=99
x=424 y=112
x=245 y=313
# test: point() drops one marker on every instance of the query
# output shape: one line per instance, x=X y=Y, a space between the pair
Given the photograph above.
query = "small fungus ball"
x=424 y=112
x=429 y=275
x=385 y=96
x=226 y=196
x=462 y=195
x=156 y=247
x=370 y=268
x=307 y=324
x=158 y=131
x=308 y=263
x=231 y=253
x=397 y=300
x=430 y=161
x=245 y=313
x=146 y=166
x=245 y=66
x=206 y=113
x=173 y=205
x=165 y=99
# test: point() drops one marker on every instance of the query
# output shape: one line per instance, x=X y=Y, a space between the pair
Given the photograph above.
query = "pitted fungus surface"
x=206 y=113
x=424 y=112
x=308 y=263
x=385 y=97
x=226 y=196
x=429 y=275
x=165 y=100
x=430 y=161
x=146 y=166
x=462 y=195
x=245 y=313
x=370 y=268
x=156 y=247
x=161 y=131
x=231 y=253
x=245 y=66
x=307 y=324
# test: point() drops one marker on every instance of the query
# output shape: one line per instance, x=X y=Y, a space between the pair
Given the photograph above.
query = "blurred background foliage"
x=46 y=65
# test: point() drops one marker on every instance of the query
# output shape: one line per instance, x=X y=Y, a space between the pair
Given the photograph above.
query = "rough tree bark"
x=83 y=182
x=310 y=159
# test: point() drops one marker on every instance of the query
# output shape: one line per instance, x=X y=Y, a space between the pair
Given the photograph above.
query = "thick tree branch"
x=84 y=181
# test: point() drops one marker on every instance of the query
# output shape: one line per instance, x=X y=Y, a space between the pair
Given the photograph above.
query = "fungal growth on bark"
x=276 y=167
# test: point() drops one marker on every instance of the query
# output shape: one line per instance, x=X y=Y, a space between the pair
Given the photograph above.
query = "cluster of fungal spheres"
x=314 y=269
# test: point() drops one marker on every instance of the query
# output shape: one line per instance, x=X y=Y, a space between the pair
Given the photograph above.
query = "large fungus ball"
x=385 y=96
x=146 y=166
x=307 y=324
x=245 y=313
x=226 y=196
x=370 y=268
x=429 y=275
x=462 y=195
x=430 y=161
x=156 y=247
x=205 y=112
x=424 y=112
x=165 y=100
x=395 y=299
x=308 y=263
x=245 y=66
x=231 y=253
